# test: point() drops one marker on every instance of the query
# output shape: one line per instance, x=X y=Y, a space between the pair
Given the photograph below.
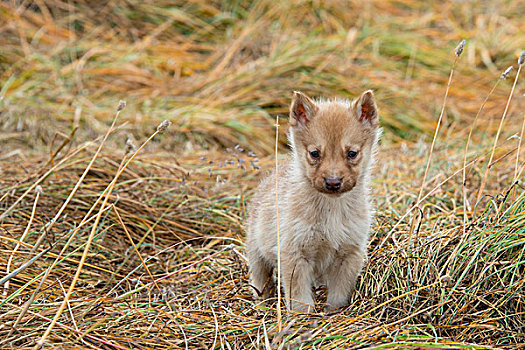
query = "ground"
x=156 y=259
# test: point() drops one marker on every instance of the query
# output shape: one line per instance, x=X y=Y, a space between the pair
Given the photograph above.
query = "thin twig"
x=24 y=266
x=458 y=52
x=468 y=141
x=520 y=62
x=6 y=285
x=464 y=174
x=279 y=316
x=133 y=244
x=522 y=133
x=485 y=175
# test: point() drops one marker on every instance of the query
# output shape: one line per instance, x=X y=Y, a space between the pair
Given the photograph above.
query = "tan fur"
x=323 y=233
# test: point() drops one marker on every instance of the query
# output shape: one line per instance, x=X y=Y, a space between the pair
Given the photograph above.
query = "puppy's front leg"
x=341 y=278
x=297 y=283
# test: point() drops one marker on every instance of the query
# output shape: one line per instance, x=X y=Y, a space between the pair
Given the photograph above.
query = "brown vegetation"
x=445 y=271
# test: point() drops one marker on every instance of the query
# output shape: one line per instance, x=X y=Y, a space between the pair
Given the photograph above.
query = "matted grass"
x=220 y=72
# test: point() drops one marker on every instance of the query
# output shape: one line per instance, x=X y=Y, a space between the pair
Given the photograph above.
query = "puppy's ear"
x=366 y=109
x=302 y=109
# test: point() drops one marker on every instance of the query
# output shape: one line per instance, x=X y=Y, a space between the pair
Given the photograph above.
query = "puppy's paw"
x=305 y=308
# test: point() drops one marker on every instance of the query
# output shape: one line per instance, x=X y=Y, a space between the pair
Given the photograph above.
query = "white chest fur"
x=327 y=223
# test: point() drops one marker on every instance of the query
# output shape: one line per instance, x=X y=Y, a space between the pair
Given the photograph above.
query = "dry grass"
x=221 y=72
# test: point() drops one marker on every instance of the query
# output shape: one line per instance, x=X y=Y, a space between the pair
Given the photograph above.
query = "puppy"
x=324 y=206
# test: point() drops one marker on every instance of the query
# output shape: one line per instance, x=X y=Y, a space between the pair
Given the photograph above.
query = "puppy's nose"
x=332 y=183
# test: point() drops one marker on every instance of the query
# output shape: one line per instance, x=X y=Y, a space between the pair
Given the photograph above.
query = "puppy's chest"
x=325 y=240
x=326 y=230
x=330 y=234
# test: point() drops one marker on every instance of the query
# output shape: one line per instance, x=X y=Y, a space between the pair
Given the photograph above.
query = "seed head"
x=163 y=126
x=121 y=105
x=505 y=74
x=447 y=279
x=130 y=146
x=521 y=59
x=460 y=47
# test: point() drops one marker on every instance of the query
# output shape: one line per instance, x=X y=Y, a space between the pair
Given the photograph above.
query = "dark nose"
x=332 y=183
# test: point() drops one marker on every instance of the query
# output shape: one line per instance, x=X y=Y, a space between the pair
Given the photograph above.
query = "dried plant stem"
x=465 y=206
x=89 y=241
x=516 y=172
x=279 y=316
x=489 y=163
x=13 y=253
x=48 y=227
x=423 y=183
x=67 y=140
x=82 y=177
x=134 y=246
x=25 y=265
x=71 y=313
x=520 y=139
x=436 y=131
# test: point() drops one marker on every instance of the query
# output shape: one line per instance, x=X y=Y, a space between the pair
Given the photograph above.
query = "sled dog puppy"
x=324 y=206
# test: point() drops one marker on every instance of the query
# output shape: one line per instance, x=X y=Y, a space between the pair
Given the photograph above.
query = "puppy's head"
x=333 y=141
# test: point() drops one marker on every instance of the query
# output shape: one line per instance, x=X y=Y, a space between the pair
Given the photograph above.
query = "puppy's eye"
x=351 y=154
x=315 y=154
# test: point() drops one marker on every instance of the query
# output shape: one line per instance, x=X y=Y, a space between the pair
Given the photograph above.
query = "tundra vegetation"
x=120 y=231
